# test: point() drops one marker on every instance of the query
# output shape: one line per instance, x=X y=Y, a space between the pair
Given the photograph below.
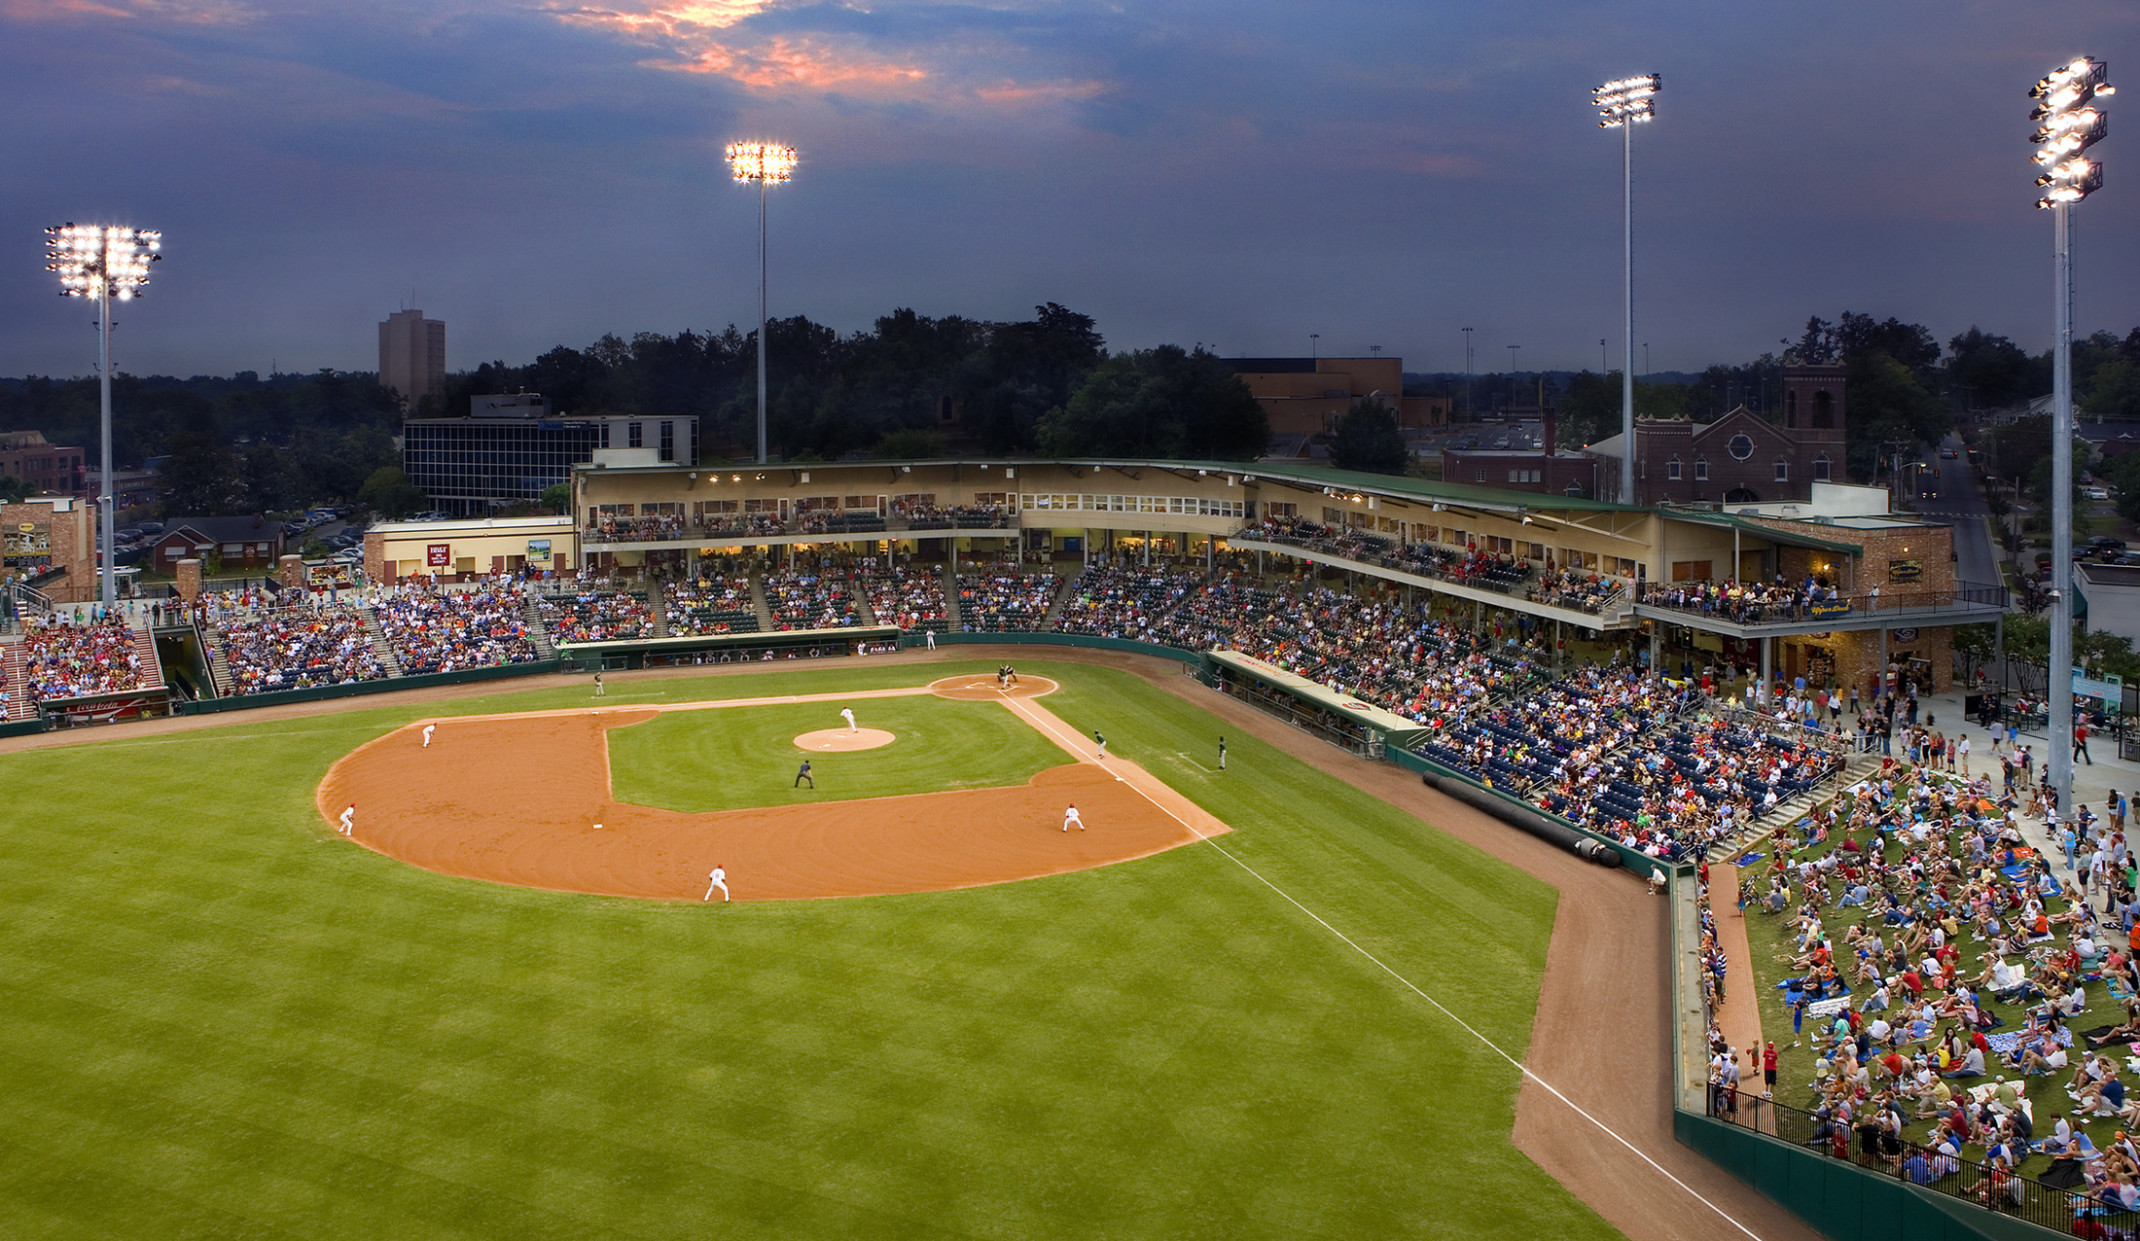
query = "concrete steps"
x=865 y=613
x=758 y=603
x=1798 y=807
x=151 y=665
x=380 y=646
x=657 y=602
x=538 y=633
x=18 y=697
x=1063 y=590
x=952 y=619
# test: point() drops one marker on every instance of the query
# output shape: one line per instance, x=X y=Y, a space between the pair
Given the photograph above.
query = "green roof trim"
x=1707 y=518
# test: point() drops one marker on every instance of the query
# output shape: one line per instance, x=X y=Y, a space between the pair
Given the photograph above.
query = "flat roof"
x=1707 y=518
x=1395 y=486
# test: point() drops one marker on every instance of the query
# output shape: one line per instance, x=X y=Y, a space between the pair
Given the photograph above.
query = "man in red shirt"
x=1768 y=1066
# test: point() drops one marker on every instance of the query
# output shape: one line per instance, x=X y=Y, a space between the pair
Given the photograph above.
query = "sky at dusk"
x=1241 y=174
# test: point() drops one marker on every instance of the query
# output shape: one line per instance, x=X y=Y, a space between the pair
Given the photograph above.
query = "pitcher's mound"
x=834 y=739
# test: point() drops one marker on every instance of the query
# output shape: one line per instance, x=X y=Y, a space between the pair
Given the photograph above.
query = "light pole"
x=766 y=163
x=1604 y=361
x=103 y=263
x=2067 y=125
x=1623 y=104
x=1469 y=414
x=1645 y=359
x=1315 y=345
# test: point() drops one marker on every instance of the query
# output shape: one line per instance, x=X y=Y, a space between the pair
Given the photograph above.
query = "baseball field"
x=223 y=1019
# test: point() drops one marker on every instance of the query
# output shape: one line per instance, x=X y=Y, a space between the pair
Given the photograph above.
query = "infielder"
x=719 y=879
x=349 y=819
x=428 y=730
x=1222 y=753
x=1070 y=817
x=803 y=775
x=1102 y=742
x=598 y=684
x=847 y=713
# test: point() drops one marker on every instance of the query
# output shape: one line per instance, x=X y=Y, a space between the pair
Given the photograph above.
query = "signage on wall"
x=439 y=555
x=1905 y=635
x=1905 y=570
x=1825 y=608
x=538 y=549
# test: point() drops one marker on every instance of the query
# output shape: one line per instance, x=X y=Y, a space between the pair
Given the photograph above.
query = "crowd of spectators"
x=298 y=648
x=1130 y=603
x=912 y=599
x=811 y=600
x=1938 y=966
x=1570 y=588
x=711 y=605
x=66 y=659
x=433 y=631
x=1748 y=603
x=652 y=528
x=1002 y=598
x=592 y=614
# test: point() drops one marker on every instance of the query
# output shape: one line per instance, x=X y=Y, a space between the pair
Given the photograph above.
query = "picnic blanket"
x=2004 y=1044
x=2088 y=1150
x=2093 y=1035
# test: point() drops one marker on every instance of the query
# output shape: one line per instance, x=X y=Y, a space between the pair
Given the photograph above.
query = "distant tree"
x=13 y=490
x=1990 y=372
x=200 y=478
x=556 y=498
x=909 y=445
x=389 y=494
x=1161 y=403
x=1368 y=439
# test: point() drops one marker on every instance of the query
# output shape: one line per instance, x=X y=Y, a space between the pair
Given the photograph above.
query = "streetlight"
x=1623 y=104
x=105 y=262
x=1469 y=414
x=1604 y=365
x=766 y=163
x=1645 y=359
x=2067 y=125
x=1314 y=345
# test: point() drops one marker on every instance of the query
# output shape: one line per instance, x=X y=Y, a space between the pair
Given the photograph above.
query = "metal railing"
x=819 y=522
x=1996 y=1189
x=1796 y=608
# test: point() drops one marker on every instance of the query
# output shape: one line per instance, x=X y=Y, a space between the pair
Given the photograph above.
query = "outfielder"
x=428 y=730
x=719 y=879
x=349 y=819
x=847 y=713
x=1070 y=817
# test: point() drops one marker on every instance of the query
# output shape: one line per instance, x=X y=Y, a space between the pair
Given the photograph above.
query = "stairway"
x=1859 y=766
x=538 y=633
x=758 y=603
x=952 y=620
x=18 y=695
x=145 y=648
x=218 y=664
x=865 y=614
x=657 y=602
x=380 y=646
x=1063 y=590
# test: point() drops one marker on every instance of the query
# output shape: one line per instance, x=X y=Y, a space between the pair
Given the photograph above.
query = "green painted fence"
x=385 y=685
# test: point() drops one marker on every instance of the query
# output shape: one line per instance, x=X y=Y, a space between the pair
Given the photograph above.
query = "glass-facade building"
x=469 y=467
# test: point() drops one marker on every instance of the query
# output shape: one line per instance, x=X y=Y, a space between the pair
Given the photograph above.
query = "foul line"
x=1577 y=1108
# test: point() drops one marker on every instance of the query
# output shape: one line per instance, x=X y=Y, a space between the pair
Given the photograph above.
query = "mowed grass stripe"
x=738 y=757
x=264 y=1032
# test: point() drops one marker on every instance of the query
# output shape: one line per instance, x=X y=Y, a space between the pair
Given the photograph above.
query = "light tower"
x=2068 y=124
x=1623 y=104
x=105 y=263
x=766 y=163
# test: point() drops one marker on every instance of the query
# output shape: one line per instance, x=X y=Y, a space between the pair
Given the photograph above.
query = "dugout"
x=726 y=648
x=1335 y=716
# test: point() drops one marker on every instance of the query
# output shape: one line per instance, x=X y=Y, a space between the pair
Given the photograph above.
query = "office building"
x=512 y=448
x=412 y=356
x=48 y=469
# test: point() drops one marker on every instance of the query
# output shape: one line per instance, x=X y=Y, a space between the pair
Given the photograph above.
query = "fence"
x=2065 y=1210
x=1798 y=609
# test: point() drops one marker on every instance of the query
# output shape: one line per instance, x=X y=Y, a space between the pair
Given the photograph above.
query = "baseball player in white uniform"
x=847 y=713
x=1070 y=817
x=428 y=730
x=719 y=879
x=349 y=819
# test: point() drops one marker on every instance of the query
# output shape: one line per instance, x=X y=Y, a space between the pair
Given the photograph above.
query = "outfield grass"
x=221 y=1021
x=734 y=757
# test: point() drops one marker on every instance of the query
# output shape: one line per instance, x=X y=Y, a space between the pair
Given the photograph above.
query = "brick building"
x=236 y=542
x=1306 y=396
x=48 y=534
x=1742 y=457
x=49 y=469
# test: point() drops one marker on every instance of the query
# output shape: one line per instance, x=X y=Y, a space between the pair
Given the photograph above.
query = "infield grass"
x=219 y=1020
x=729 y=758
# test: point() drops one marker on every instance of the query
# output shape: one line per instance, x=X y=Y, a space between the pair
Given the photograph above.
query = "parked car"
x=2095 y=493
x=152 y=527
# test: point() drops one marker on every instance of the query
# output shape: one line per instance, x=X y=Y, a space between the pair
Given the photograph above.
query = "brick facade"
x=1742 y=457
x=41 y=535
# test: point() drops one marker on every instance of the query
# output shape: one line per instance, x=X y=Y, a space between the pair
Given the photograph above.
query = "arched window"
x=1701 y=469
x=1790 y=409
x=1823 y=411
x=1821 y=467
x=1783 y=470
x=1671 y=470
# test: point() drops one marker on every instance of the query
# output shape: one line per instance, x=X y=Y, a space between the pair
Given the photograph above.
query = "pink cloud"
x=782 y=63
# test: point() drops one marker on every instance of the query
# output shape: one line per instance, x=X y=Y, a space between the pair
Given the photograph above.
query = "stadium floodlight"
x=103 y=263
x=767 y=163
x=1622 y=104
x=2067 y=124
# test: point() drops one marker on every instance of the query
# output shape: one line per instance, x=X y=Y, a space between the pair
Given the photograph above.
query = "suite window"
x=668 y=441
x=635 y=436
